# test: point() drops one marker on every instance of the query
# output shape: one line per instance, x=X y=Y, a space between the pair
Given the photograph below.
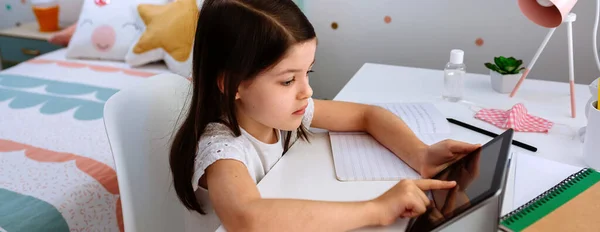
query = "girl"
x=252 y=99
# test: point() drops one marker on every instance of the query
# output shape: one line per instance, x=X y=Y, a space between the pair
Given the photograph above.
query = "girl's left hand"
x=440 y=155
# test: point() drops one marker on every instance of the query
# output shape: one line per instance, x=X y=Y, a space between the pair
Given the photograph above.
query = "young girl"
x=252 y=99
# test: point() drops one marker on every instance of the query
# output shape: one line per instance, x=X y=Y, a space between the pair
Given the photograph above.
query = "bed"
x=56 y=167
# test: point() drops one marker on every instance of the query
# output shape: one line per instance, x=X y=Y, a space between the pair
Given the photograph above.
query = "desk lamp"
x=550 y=14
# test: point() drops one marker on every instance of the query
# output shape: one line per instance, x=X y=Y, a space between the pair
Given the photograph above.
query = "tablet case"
x=571 y=205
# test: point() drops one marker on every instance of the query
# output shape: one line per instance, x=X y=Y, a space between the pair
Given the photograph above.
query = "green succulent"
x=505 y=65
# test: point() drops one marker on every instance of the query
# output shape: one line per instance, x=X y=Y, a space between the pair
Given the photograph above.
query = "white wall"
x=20 y=12
x=436 y=27
x=13 y=12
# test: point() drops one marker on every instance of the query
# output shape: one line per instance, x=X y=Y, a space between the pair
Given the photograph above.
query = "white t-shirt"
x=219 y=142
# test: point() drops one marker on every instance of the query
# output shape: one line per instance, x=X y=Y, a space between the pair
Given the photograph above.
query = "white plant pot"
x=504 y=83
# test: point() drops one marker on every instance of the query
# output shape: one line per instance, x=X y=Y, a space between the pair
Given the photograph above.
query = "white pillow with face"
x=106 y=29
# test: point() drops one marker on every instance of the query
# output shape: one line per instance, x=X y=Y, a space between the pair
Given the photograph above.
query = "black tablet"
x=479 y=176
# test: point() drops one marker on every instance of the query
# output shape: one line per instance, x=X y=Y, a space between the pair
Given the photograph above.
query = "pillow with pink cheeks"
x=106 y=29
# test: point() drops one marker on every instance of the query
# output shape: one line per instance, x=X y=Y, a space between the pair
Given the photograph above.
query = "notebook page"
x=358 y=156
x=535 y=175
x=422 y=118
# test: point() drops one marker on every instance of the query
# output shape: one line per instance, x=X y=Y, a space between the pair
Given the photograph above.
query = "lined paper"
x=359 y=157
x=422 y=118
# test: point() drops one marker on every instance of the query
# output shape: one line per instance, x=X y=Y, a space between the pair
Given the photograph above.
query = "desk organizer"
x=591 y=144
x=594 y=95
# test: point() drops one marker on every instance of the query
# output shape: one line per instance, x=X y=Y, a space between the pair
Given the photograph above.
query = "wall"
x=422 y=33
x=15 y=12
x=434 y=29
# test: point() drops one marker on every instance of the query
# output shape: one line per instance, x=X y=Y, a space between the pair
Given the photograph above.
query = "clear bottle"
x=454 y=73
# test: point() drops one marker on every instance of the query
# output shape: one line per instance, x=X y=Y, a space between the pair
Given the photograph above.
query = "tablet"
x=479 y=177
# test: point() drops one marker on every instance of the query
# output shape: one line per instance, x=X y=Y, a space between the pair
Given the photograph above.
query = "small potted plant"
x=505 y=73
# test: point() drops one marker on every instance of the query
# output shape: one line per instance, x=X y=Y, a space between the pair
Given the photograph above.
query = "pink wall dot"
x=479 y=42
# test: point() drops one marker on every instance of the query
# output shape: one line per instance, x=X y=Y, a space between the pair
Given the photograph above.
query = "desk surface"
x=550 y=100
x=307 y=171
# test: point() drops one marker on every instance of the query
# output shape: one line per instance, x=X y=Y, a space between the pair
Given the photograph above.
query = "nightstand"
x=22 y=43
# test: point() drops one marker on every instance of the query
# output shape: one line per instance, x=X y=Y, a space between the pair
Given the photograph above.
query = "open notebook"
x=359 y=157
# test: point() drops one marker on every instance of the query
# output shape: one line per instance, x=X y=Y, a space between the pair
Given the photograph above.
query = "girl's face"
x=277 y=98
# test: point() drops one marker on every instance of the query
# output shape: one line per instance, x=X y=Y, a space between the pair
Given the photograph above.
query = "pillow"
x=169 y=35
x=106 y=29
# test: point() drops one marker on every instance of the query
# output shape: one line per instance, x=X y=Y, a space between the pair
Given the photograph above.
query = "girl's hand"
x=440 y=155
x=406 y=199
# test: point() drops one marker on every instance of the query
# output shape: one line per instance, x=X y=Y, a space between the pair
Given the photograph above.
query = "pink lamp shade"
x=546 y=13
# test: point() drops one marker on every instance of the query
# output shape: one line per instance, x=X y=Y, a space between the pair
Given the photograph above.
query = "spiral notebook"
x=571 y=205
x=357 y=156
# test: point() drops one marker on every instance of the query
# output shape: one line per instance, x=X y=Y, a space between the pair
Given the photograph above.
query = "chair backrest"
x=140 y=122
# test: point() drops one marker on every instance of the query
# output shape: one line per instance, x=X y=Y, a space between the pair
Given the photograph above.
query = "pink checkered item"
x=516 y=118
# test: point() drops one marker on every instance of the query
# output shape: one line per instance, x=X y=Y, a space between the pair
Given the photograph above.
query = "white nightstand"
x=18 y=44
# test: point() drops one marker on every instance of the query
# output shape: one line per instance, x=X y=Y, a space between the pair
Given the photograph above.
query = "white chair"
x=139 y=123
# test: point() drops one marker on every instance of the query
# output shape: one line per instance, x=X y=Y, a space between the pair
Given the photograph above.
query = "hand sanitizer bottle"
x=454 y=73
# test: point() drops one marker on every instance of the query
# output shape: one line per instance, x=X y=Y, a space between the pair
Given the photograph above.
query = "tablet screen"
x=476 y=179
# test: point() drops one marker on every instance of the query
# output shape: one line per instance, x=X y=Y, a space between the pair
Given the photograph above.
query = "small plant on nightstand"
x=505 y=73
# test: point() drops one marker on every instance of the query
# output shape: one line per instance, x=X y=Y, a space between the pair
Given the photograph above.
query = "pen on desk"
x=491 y=134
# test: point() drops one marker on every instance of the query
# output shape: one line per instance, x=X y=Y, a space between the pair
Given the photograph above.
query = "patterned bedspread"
x=56 y=168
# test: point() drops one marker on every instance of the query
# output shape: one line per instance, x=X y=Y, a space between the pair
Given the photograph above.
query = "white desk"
x=307 y=171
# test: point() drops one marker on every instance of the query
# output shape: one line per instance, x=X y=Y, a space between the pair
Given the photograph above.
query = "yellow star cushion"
x=169 y=35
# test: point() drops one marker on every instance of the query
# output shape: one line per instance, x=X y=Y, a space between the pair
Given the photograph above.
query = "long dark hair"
x=235 y=40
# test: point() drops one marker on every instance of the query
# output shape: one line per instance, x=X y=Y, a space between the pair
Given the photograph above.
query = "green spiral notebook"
x=571 y=205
